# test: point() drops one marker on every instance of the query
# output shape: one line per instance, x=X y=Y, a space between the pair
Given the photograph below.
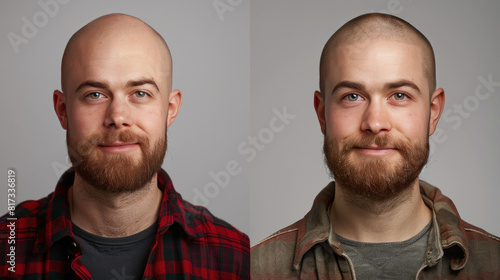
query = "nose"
x=118 y=114
x=376 y=118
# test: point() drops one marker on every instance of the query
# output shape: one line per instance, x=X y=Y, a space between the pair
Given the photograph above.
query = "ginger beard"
x=373 y=178
x=116 y=173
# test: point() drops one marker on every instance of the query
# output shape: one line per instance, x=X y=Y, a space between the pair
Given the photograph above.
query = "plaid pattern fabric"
x=190 y=243
x=307 y=250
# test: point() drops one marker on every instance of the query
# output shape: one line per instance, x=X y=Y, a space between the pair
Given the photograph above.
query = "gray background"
x=211 y=68
x=229 y=98
x=287 y=37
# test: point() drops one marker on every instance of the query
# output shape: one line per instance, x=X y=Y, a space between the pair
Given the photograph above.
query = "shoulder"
x=288 y=235
x=481 y=243
x=222 y=243
x=201 y=219
x=19 y=231
x=196 y=220
x=27 y=213
x=274 y=255
x=474 y=233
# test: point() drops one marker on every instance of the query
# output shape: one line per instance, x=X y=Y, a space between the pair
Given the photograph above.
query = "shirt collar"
x=315 y=227
x=452 y=233
x=57 y=223
x=175 y=210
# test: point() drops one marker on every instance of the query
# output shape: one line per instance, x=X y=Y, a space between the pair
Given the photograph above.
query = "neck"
x=393 y=220
x=114 y=214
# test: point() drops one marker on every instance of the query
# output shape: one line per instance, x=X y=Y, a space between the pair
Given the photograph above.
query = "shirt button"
x=73 y=244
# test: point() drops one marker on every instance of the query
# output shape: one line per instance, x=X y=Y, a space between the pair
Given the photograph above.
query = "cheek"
x=340 y=123
x=154 y=122
x=413 y=124
x=83 y=122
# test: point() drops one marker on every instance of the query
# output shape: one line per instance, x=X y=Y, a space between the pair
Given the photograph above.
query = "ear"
x=174 y=104
x=60 y=107
x=319 y=106
x=437 y=105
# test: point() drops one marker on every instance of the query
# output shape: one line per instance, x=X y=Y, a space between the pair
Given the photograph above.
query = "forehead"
x=117 y=58
x=375 y=62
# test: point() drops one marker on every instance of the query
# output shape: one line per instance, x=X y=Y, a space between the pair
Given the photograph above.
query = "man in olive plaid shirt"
x=115 y=214
x=377 y=106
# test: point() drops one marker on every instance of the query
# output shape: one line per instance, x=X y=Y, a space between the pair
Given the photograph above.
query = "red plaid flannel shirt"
x=190 y=243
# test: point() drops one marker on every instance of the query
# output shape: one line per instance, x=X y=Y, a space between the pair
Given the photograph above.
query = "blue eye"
x=352 y=97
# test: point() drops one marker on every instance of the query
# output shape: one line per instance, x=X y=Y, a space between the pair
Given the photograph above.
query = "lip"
x=119 y=147
x=375 y=151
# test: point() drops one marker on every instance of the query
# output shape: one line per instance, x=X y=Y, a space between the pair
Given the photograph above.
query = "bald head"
x=114 y=35
x=366 y=28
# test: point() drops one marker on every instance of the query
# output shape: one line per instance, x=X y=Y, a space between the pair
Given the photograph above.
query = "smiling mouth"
x=375 y=151
x=119 y=147
x=117 y=144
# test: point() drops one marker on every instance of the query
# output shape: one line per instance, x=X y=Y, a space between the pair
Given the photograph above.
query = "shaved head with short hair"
x=376 y=26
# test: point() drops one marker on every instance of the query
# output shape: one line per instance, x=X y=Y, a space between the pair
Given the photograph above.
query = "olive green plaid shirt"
x=455 y=250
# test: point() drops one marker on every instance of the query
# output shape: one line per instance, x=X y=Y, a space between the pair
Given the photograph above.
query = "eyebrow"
x=349 y=85
x=142 y=82
x=387 y=86
x=131 y=83
x=95 y=84
x=402 y=83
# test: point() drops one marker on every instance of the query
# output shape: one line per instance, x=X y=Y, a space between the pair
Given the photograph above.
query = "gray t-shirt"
x=115 y=258
x=392 y=260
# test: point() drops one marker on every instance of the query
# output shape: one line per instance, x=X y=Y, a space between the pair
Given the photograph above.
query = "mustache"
x=86 y=146
x=116 y=136
x=381 y=141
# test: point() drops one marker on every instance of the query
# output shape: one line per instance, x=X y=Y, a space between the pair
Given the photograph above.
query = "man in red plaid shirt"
x=115 y=214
